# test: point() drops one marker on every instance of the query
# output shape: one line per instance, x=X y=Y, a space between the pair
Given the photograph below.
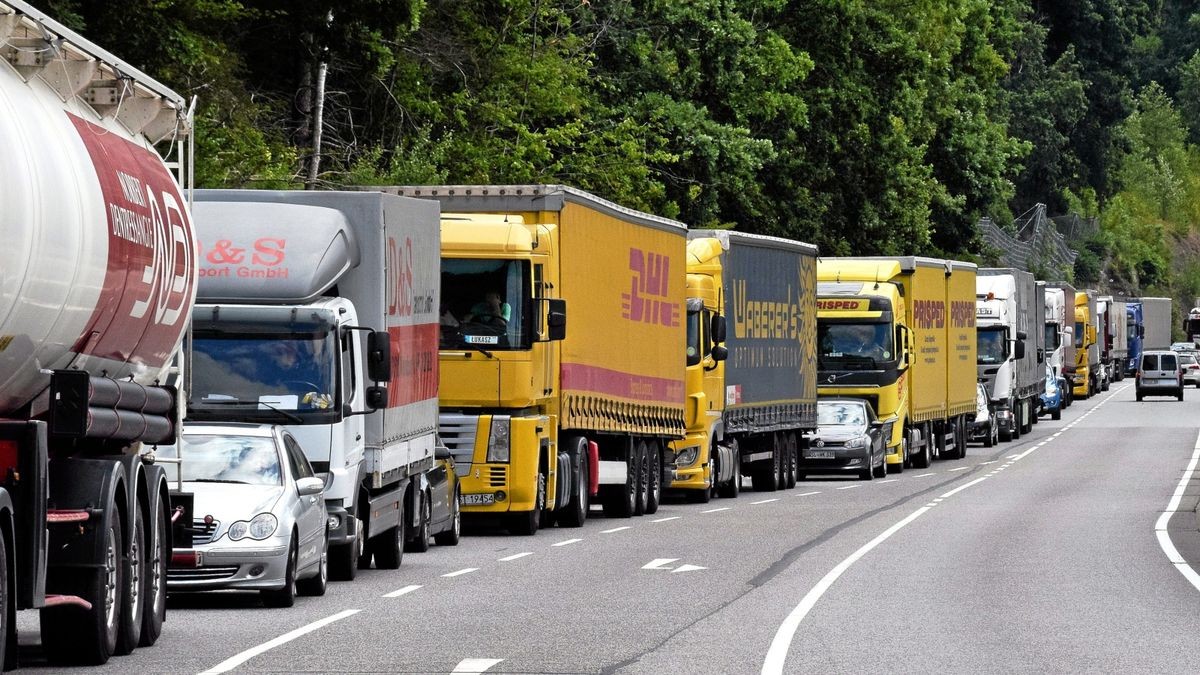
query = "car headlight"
x=859 y=442
x=259 y=527
x=687 y=457
x=498 y=438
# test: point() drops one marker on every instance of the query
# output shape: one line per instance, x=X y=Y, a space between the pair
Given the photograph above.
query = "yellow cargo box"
x=960 y=332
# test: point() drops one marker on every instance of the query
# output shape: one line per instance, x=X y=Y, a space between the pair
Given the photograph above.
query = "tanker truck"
x=98 y=269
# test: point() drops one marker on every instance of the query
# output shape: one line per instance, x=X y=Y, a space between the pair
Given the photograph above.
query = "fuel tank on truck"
x=97 y=270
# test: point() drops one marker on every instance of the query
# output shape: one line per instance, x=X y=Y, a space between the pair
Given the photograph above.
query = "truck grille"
x=203 y=534
x=498 y=475
x=201 y=573
x=458 y=433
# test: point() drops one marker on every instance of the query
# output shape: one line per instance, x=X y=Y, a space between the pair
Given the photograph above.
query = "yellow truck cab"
x=541 y=419
x=1087 y=350
x=900 y=334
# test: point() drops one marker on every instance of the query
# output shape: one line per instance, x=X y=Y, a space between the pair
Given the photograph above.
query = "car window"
x=1150 y=362
x=219 y=458
x=1167 y=362
x=296 y=459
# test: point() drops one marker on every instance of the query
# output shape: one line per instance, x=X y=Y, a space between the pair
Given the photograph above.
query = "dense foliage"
x=868 y=127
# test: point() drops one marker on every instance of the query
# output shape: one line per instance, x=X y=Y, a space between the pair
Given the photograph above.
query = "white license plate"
x=818 y=454
x=482 y=339
x=479 y=500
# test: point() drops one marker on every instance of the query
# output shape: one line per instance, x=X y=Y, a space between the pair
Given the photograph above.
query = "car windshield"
x=841 y=414
x=485 y=304
x=290 y=371
x=851 y=345
x=250 y=460
x=992 y=347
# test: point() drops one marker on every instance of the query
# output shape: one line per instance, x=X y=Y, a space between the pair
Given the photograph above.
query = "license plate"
x=818 y=454
x=478 y=500
x=482 y=339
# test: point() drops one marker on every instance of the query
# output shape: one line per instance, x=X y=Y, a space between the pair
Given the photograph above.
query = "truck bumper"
x=343 y=528
x=1005 y=420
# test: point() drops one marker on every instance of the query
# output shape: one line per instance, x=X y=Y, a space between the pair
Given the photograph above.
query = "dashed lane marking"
x=615 y=529
x=237 y=660
x=663 y=520
x=723 y=508
x=461 y=572
x=567 y=542
x=516 y=556
x=401 y=591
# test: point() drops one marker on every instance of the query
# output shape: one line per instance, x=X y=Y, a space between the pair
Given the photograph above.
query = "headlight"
x=859 y=442
x=498 y=438
x=260 y=527
x=687 y=457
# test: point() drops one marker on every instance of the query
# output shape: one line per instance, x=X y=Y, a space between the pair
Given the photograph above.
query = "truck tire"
x=734 y=486
x=89 y=636
x=575 y=515
x=388 y=547
x=451 y=536
x=793 y=459
x=923 y=460
x=8 y=605
x=705 y=495
x=654 y=489
x=346 y=559
x=420 y=541
x=286 y=596
x=621 y=500
x=1028 y=426
x=526 y=523
x=133 y=599
x=642 y=462
x=764 y=476
x=157 y=555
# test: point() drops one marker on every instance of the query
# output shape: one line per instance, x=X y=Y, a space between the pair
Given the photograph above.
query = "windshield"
x=485 y=304
x=1130 y=332
x=854 y=345
x=290 y=371
x=841 y=414
x=991 y=345
x=251 y=460
x=1078 y=334
x=1053 y=337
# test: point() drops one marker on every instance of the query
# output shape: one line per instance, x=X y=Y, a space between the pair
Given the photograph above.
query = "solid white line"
x=764 y=501
x=474 y=666
x=1164 y=536
x=515 y=556
x=848 y=487
x=890 y=480
x=806 y=494
x=462 y=572
x=235 y=661
x=401 y=591
x=663 y=520
x=723 y=508
x=777 y=654
x=567 y=542
x=961 y=468
x=615 y=529
x=964 y=486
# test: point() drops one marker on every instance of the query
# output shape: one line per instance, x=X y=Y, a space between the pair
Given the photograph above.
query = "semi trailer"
x=1009 y=314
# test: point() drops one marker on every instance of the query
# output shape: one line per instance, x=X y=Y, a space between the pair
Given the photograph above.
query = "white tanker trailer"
x=97 y=282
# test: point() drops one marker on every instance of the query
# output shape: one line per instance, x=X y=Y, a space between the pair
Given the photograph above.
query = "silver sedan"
x=258 y=520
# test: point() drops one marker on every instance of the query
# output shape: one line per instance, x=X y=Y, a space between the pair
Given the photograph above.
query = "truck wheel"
x=576 y=512
x=346 y=559
x=156 y=579
x=451 y=536
x=89 y=636
x=8 y=632
x=133 y=597
x=734 y=486
x=643 y=478
x=388 y=547
x=621 y=500
x=286 y=596
x=525 y=523
x=703 y=496
x=793 y=461
x=654 y=489
x=764 y=476
x=315 y=585
x=923 y=460
x=420 y=541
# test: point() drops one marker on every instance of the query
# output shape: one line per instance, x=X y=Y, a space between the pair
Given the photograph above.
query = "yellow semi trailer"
x=540 y=417
x=900 y=334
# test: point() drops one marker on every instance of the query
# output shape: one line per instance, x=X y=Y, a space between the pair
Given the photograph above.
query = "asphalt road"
x=1040 y=555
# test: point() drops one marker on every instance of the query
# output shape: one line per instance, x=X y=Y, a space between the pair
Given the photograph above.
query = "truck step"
x=54 y=516
x=67 y=600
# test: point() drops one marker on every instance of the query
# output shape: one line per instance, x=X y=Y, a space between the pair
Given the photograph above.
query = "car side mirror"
x=718 y=329
x=441 y=452
x=379 y=356
x=307 y=487
x=556 y=320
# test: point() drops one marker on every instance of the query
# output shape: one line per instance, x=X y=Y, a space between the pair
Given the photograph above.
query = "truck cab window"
x=1053 y=337
x=992 y=345
x=349 y=383
x=1078 y=334
x=486 y=304
x=854 y=345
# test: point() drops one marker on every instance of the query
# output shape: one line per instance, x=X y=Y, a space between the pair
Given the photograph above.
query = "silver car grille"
x=203 y=534
x=215 y=573
x=458 y=433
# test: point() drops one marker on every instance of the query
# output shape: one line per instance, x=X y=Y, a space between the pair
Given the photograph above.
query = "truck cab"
x=1087 y=356
x=1135 y=330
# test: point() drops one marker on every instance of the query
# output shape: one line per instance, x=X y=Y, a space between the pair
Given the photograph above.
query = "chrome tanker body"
x=97 y=281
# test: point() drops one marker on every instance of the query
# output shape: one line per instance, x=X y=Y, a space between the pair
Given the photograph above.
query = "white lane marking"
x=687 y=568
x=848 y=487
x=663 y=520
x=964 y=486
x=723 y=508
x=237 y=660
x=991 y=462
x=615 y=529
x=401 y=591
x=806 y=494
x=890 y=480
x=515 y=556
x=961 y=468
x=1160 y=528
x=777 y=654
x=765 y=501
x=922 y=475
x=567 y=542
x=1010 y=457
x=659 y=564
x=461 y=572
x=474 y=666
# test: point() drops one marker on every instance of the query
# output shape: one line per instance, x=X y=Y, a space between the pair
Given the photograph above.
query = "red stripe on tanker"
x=150 y=279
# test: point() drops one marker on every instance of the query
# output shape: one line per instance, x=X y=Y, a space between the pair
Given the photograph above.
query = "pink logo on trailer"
x=151 y=272
x=648 y=300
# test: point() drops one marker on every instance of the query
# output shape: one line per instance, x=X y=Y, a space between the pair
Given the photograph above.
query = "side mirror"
x=718 y=329
x=441 y=452
x=1019 y=352
x=376 y=397
x=310 y=486
x=1021 y=335
x=556 y=320
x=379 y=356
x=719 y=353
